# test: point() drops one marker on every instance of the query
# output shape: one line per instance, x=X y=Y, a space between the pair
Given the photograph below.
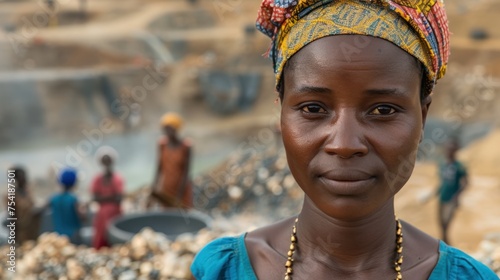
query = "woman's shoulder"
x=266 y=246
x=187 y=142
x=222 y=245
x=455 y=264
x=97 y=178
x=223 y=258
x=117 y=177
x=162 y=140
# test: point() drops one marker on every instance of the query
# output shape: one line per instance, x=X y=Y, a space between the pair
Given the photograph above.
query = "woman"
x=107 y=190
x=354 y=79
x=27 y=215
x=172 y=186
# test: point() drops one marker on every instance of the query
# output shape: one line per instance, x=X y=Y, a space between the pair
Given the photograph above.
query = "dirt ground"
x=477 y=215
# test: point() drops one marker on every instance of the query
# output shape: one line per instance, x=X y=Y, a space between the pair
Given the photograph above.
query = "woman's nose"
x=346 y=137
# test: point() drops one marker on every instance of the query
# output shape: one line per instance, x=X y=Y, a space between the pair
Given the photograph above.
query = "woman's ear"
x=425 y=103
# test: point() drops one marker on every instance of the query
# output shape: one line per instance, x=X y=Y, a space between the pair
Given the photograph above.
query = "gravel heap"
x=148 y=255
x=250 y=181
x=255 y=181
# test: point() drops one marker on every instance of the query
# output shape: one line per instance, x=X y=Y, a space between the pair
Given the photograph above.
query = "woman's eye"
x=313 y=109
x=383 y=110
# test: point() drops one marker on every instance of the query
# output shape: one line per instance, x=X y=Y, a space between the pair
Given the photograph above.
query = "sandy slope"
x=479 y=212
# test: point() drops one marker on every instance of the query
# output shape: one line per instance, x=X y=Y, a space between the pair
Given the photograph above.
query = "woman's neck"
x=173 y=140
x=347 y=246
x=108 y=174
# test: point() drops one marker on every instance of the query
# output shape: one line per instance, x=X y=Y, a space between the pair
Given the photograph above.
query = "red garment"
x=174 y=168
x=107 y=210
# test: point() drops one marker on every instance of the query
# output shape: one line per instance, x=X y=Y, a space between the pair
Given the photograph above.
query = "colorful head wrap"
x=172 y=119
x=67 y=177
x=419 y=27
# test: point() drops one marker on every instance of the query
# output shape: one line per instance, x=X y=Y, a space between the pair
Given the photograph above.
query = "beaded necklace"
x=397 y=263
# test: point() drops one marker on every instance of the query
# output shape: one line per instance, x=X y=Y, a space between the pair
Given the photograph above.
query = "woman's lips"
x=347 y=182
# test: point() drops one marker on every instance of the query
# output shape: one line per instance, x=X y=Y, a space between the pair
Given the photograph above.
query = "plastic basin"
x=172 y=223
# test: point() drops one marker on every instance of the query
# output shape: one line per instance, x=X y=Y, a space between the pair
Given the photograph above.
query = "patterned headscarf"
x=419 y=27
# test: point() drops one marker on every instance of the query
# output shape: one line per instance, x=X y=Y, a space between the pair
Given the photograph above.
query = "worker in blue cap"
x=67 y=216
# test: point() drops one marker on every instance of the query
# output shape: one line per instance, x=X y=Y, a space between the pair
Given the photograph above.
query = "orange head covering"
x=173 y=120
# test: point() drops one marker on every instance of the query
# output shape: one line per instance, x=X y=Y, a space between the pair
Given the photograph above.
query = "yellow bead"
x=293 y=239
x=289 y=270
x=288 y=264
x=400 y=250
x=400 y=261
x=398 y=268
x=290 y=253
x=292 y=247
x=288 y=278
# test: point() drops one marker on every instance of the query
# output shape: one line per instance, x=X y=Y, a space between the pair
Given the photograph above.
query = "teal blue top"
x=64 y=214
x=227 y=258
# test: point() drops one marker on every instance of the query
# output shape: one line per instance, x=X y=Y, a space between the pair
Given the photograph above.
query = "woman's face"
x=170 y=131
x=107 y=161
x=351 y=122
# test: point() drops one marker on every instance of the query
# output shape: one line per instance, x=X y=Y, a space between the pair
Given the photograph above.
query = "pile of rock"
x=256 y=181
x=148 y=255
x=250 y=181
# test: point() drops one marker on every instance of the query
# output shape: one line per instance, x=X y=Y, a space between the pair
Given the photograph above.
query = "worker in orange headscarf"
x=172 y=186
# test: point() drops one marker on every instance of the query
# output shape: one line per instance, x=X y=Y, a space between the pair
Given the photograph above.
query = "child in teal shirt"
x=453 y=176
x=66 y=216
